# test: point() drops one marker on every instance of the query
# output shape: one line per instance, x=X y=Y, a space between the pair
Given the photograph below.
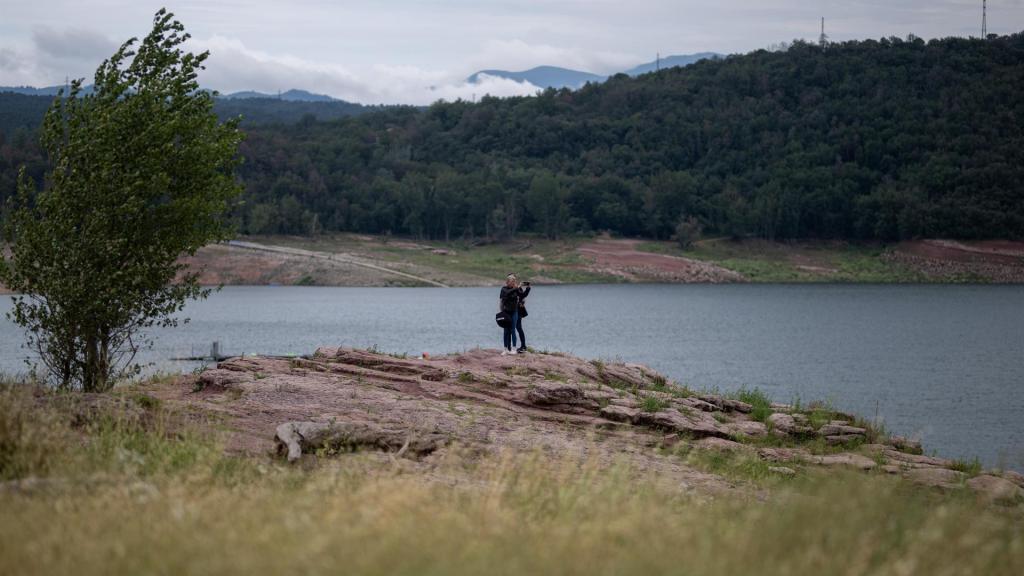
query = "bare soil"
x=241 y=264
x=998 y=261
x=621 y=257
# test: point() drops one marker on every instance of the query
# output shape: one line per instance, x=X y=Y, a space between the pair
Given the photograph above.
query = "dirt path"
x=622 y=258
x=342 y=258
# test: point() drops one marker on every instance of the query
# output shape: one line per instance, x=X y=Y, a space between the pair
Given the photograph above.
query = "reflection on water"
x=941 y=362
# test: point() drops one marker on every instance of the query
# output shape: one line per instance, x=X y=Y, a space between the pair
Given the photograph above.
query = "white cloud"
x=232 y=66
x=414 y=51
x=72 y=44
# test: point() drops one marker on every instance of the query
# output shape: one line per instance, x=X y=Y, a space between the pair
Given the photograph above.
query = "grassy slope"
x=761 y=261
x=531 y=257
x=138 y=490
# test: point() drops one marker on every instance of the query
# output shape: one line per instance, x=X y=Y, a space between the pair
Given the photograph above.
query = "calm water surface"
x=944 y=363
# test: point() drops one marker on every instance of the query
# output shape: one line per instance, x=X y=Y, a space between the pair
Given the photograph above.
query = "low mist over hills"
x=542 y=77
x=555 y=77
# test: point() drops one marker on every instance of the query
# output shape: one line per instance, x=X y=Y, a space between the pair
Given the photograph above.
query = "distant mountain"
x=45 y=91
x=290 y=96
x=555 y=77
x=671 y=61
x=543 y=77
x=26 y=111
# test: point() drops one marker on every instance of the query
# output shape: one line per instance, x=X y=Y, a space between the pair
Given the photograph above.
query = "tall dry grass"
x=149 y=502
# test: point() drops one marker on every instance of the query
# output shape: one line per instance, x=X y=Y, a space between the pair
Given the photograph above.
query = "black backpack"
x=503 y=319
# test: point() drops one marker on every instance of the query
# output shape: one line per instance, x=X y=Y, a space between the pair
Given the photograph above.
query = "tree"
x=141 y=173
x=688 y=231
x=545 y=201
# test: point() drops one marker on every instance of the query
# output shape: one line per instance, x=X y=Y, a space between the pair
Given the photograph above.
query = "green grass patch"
x=970 y=467
x=761 y=405
x=731 y=464
x=653 y=404
x=779 y=262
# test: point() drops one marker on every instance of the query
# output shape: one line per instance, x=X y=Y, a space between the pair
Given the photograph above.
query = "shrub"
x=653 y=404
x=688 y=231
x=762 y=406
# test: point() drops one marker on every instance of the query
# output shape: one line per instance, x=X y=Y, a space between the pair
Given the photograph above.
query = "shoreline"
x=360 y=260
x=369 y=261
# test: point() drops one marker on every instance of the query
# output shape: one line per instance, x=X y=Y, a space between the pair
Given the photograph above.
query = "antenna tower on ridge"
x=823 y=39
x=984 y=19
x=657 y=62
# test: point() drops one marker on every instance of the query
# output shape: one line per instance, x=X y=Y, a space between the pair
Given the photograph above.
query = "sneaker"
x=505 y=352
x=513 y=352
x=521 y=350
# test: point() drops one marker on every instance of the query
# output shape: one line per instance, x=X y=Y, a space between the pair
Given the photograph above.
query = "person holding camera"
x=513 y=303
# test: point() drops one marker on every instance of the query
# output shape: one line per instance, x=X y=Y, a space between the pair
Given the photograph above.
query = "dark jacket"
x=512 y=298
x=523 y=293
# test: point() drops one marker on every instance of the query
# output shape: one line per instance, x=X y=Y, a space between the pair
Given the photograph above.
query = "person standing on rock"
x=509 y=301
x=517 y=320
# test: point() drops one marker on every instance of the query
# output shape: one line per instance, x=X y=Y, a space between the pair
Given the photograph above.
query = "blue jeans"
x=510 y=331
x=517 y=321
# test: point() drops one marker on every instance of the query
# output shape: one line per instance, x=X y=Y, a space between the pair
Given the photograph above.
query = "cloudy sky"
x=415 y=52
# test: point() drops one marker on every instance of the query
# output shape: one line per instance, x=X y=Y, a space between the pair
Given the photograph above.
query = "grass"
x=558 y=260
x=969 y=467
x=760 y=403
x=527 y=255
x=129 y=433
x=762 y=261
x=653 y=404
x=733 y=465
x=135 y=490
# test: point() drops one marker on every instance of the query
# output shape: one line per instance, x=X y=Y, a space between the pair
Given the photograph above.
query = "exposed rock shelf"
x=343 y=399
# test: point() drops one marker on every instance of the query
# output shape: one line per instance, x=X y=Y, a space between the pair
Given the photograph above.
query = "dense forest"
x=883 y=139
x=20 y=111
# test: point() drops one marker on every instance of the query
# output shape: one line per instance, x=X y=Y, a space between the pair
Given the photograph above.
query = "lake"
x=942 y=363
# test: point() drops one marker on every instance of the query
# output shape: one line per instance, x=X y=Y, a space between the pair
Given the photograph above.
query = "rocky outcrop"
x=342 y=400
x=294 y=438
x=785 y=424
x=554 y=393
x=674 y=421
x=722 y=445
x=937 y=477
x=857 y=461
x=994 y=489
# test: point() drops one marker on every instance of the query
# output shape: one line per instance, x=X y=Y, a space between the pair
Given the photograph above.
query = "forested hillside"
x=872 y=139
x=21 y=111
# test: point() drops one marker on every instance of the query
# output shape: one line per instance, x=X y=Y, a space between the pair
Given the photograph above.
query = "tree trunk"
x=89 y=383
x=96 y=375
